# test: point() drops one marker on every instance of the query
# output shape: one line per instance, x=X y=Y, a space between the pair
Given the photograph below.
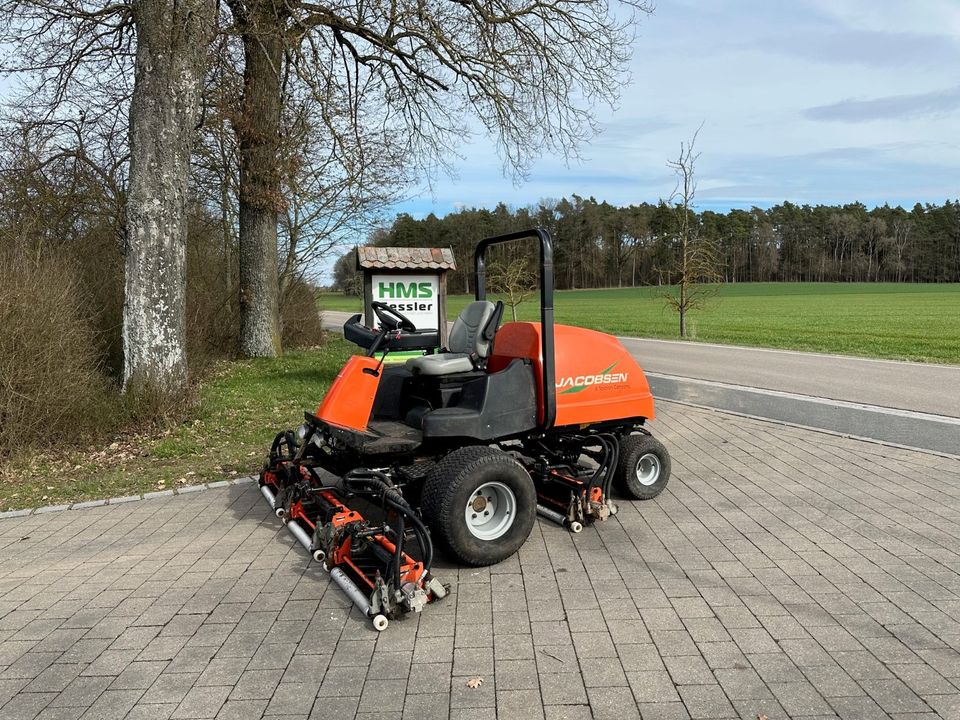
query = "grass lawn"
x=238 y=413
x=887 y=320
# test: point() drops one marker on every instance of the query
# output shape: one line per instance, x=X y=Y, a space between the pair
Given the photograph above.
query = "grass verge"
x=898 y=321
x=240 y=409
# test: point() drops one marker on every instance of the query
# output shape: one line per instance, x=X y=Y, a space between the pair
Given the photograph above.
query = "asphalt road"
x=918 y=387
x=911 y=404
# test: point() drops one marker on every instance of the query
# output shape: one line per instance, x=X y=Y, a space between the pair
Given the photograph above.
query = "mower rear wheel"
x=480 y=505
x=644 y=467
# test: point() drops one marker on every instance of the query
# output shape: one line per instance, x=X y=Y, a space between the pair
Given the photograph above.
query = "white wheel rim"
x=648 y=469
x=490 y=511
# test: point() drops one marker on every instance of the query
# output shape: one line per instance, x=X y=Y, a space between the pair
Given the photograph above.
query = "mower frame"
x=500 y=452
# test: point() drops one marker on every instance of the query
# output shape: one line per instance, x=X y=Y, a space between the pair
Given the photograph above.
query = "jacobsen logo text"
x=572 y=384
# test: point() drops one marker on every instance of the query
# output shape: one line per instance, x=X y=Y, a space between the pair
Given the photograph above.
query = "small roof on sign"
x=405 y=258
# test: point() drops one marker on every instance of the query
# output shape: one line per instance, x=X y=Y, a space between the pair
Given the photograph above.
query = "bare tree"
x=415 y=70
x=172 y=36
x=899 y=241
x=696 y=269
x=216 y=158
x=513 y=281
x=331 y=190
x=80 y=58
x=346 y=278
x=330 y=195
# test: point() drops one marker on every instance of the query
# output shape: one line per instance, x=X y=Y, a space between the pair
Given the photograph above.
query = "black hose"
x=275 y=449
x=612 y=465
x=607 y=464
x=372 y=482
x=398 y=555
x=423 y=537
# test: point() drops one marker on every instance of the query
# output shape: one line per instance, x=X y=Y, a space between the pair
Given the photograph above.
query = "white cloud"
x=763 y=77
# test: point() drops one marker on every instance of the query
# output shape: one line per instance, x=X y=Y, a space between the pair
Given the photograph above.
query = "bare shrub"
x=51 y=386
x=213 y=309
x=299 y=317
x=98 y=260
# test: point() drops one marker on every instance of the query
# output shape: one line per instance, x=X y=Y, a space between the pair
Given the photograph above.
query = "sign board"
x=417 y=297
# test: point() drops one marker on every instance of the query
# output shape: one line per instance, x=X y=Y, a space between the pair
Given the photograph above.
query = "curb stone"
x=88 y=504
x=185 y=490
x=50 y=508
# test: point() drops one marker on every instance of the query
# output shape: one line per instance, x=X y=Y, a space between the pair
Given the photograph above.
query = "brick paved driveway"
x=784 y=572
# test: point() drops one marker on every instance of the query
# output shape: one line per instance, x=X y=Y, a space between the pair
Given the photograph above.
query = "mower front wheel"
x=480 y=505
x=644 y=467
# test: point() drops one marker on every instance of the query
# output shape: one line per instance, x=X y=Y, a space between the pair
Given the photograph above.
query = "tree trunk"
x=683 y=308
x=260 y=193
x=172 y=37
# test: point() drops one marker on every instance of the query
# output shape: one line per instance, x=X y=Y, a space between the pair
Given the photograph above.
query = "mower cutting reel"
x=461 y=448
x=356 y=552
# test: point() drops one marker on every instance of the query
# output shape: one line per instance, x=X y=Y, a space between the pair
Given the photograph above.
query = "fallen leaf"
x=761 y=716
x=474 y=683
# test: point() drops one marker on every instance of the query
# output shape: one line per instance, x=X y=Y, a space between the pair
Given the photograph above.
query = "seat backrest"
x=467 y=333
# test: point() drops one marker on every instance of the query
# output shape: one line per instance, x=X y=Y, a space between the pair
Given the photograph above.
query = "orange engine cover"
x=596 y=378
x=349 y=400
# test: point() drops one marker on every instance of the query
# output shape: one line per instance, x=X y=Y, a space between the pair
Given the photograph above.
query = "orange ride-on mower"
x=462 y=448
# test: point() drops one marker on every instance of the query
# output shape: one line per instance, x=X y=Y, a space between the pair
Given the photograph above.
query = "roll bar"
x=548 y=363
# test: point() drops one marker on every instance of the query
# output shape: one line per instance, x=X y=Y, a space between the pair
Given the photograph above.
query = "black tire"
x=449 y=488
x=636 y=481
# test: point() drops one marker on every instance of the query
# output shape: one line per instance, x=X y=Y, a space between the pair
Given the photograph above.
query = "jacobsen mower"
x=463 y=447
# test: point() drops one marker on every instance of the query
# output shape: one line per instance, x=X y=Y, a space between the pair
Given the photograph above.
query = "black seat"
x=471 y=341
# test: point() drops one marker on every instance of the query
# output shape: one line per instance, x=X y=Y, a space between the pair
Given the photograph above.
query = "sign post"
x=411 y=280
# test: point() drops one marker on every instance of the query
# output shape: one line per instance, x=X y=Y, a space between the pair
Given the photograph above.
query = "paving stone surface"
x=784 y=573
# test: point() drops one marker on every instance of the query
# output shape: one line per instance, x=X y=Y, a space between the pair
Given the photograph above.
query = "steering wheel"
x=391 y=318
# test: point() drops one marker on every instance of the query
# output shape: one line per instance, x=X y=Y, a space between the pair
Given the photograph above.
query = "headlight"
x=302 y=432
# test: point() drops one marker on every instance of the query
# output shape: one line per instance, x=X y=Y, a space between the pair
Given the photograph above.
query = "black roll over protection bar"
x=546 y=308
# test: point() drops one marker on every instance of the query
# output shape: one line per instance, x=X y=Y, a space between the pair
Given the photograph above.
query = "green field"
x=888 y=320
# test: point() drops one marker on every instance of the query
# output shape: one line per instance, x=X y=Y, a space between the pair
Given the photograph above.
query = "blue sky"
x=812 y=101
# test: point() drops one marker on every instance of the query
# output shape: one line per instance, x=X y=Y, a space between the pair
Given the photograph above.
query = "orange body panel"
x=349 y=400
x=596 y=378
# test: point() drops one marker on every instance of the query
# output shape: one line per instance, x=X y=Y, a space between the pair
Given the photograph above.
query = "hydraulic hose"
x=372 y=482
x=398 y=554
